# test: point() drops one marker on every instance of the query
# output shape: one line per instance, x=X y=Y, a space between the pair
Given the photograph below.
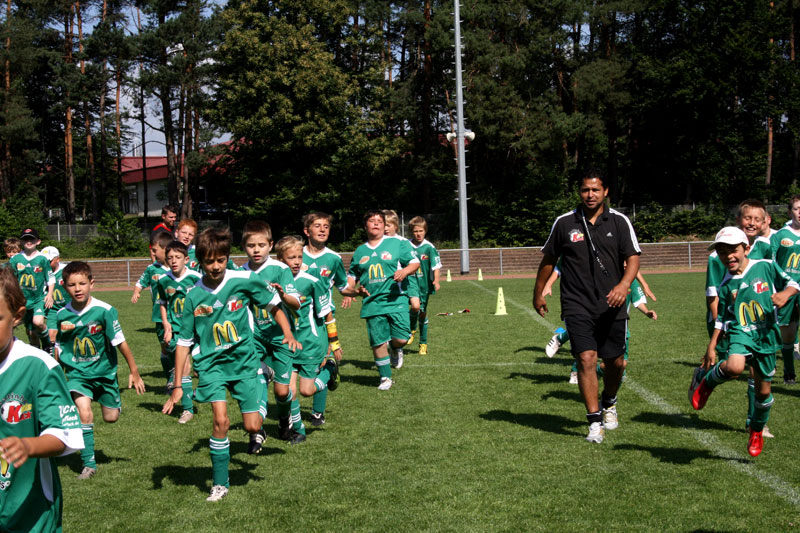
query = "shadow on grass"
x=240 y=474
x=74 y=463
x=238 y=446
x=567 y=395
x=786 y=390
x=678 y=456
x=539 y=378
x=530 y=349
x=683 y=421
x=543 y=421
x=147 y=330
x=364 y=365
x=364 y=381
x=156 y=407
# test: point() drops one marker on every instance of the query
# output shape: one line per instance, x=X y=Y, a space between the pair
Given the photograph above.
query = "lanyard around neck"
x=591 y=243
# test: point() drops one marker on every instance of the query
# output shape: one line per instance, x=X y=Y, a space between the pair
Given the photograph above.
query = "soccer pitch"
x=482 y=434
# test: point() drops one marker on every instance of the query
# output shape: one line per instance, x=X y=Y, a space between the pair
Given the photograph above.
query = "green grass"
x=483 y=434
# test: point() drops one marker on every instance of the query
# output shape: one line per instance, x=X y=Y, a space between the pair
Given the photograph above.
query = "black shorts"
x=604 y=334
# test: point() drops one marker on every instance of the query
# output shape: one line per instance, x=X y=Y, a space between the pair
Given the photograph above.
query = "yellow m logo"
x=793 y=261
x=84 y=346
x=57 y=296
x=261 y=313
x=225 y=332
x=26 y=280
x=751 y=310
x=376 y=272
x=177 y=306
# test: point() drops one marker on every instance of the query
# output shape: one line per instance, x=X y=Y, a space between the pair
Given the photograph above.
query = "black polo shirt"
x=584 y=285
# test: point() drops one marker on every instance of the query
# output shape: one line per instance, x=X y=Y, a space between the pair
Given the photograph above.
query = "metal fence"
x=77 y=232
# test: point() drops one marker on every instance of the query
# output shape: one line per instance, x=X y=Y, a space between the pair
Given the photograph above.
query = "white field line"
x=735 y=460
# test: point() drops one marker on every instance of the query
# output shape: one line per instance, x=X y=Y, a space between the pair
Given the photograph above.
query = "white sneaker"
x=386 y=384
x=610 y=420
x=596 y=432
x=217 y=493
x=797 y=351
x=573 y=378
x=766 y=433
x=399 y=358
x=185 y=417
x=552 y=346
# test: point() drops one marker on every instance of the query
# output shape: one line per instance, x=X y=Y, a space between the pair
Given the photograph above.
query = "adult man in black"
x=599 y=258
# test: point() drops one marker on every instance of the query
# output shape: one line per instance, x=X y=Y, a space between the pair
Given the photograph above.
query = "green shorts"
x=51 y=320
x=308 y=369
x=788 y=314
x=412 y=290
x=33 y=309
x=278 y=357
x=248 y=392
x=104 y=391
x=763 y=363
x=383 y=328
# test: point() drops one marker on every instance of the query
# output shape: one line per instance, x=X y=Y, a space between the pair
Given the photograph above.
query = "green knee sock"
x=220 y=459
x=87 y=453
x=414 y=319
x=787 y=351
x=563 y=336
x=761 y=413
x=283 y=405
x=574 y=366
x=716 y=376
x=167 y=366
x=186 y=399
x=322 y=377
x=296 y=420
x=423 y=331
x=751 y=400
x=320 y=400
x=384 y=368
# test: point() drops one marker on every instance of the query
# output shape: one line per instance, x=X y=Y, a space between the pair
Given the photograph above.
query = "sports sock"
x=166 y=365
x=186 y=399
x=716 y=376
x=761 y=413
x=563 y=336
x=296 y=419
x=414 y=316
x=283 y=405
x=787 y=351
x=606 y=402
x=751 y=400
x=423 y=330
x=87 y=453
x=319 y=401
x=262 y=410
x=220 y=450
x=322 y=377
x=384 y=368
x=574 y=366
x=597 y=416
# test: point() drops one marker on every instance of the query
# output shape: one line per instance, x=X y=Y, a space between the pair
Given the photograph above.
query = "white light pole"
x=462 y=173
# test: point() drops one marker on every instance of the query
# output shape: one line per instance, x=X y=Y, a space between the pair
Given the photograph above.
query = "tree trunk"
x=87 y=120
x=68 y=164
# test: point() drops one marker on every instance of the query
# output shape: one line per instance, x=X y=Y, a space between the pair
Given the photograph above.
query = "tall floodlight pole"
x=462 y=172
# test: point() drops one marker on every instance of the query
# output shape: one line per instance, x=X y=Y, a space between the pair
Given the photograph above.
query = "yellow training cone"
x=449 y=277
x=480 y=275
x=501 y=303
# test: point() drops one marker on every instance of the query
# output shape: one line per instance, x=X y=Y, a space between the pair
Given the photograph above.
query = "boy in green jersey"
x=748 y=298
x=273 y=350
x=35 y=277
x=786 y=253
x=172 y=289
x=227 y=359
x=186 y=232
x=430 y=266
x=316 y=254
x=60 y=294
x=375 y=274
x=149 y=280
x=39 y=422
x=89 y=335
x=317 y=375
x=408 y=286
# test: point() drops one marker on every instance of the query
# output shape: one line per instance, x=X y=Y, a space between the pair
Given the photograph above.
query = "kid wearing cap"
x=748 y=297
x=35 y=278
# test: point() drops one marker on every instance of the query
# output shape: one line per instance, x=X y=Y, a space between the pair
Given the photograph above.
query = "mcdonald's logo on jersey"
x=27 y=281
x=261 y=313
x=376 y=272
x=177 y=306
x=84 y=346
x=225 y=332
x=750 y=312
x=793 y=261
x=57 y=296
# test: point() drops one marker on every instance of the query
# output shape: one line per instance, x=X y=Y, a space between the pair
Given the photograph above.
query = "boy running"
x=408 y=286
x=427 y=278
x=35 y=277
x=317 y=227
x=60 y=294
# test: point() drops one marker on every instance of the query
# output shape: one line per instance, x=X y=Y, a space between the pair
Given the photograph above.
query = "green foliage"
x=20 y=212
x=118 y=236
x=653 y=223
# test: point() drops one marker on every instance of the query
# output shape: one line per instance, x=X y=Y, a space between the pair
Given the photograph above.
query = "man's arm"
x=616 y=297
x=545 y=271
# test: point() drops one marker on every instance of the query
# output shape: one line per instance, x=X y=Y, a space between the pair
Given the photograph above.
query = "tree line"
x=342 y=105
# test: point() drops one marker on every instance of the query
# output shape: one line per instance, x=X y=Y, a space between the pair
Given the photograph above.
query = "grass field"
x=483 y=434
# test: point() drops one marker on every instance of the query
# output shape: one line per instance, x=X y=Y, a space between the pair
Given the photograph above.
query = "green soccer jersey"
x=786 y=251
x=221 y=321
x=309 y=320
x=172 y=293
x=746 y=311
x=87 y=339
x=60 y=295
x=34 y=401
x=374 y=268
x=329 y=265
x=33 y=273
x=149 y=280
x=271 y=271
x=429 y=261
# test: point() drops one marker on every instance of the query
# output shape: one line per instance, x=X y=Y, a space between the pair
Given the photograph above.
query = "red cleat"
x=700 y=395
x=756 y=443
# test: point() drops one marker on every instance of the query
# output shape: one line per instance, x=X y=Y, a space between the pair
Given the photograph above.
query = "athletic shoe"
x=297 y=438
x=789 y=379
x=393 y=359
x=284 y=429
x=333 y=382
x=423 y=349
x=596 y=432
x=269 y=374
x=217 y=493
x=766 y=433
x=697 y=377
x=257 y=442
x=398 y=358
x=317 y=419
x=87 y=472
x=185 y=417
x=700 y=395
x=610 y=420
x=411 y=338
x=386 y=384
x=797 y=351
x=573 y=378
x=756 y=443
x=552 y=346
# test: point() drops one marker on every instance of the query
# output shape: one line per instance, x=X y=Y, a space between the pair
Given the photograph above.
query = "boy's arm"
x=616 y=297
x=165 y=322
x=546 y=268
x=646 y=287
x=404 y=272
x=181 y=356
x=649 y=313
x=548 y=286
x=17 y=450
x=352 y=290
x=710 y=358
x=134 y=379
x=283 y=322
x=137 y=290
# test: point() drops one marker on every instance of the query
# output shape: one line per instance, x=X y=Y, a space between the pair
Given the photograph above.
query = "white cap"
x=730 y=235
x=50 y=252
